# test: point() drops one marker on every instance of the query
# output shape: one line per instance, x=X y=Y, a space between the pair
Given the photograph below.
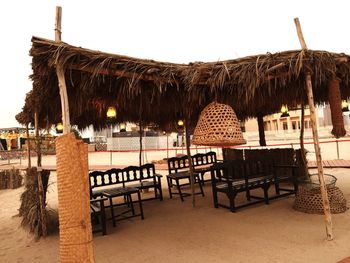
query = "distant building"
x=277 y=122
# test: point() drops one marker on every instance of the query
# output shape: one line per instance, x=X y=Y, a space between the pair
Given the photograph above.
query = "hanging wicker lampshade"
x=218 y=126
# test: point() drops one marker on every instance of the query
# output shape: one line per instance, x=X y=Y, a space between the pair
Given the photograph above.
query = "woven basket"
x=309 y=200
x=218 y=126
x=73 y=200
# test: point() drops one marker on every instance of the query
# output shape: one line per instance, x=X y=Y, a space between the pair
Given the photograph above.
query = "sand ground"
x=174 y=231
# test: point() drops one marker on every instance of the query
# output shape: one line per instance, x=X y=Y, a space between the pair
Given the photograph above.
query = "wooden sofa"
x=179 y=177
x=140 y=177
x=122 y=185
x=233 y=177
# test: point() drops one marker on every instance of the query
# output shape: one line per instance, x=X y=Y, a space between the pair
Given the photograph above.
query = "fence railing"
x=331 y=149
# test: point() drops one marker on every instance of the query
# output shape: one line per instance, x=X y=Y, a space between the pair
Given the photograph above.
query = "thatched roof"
x=163 y=92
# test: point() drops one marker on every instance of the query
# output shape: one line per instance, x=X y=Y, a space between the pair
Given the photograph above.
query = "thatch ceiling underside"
x=160 y=92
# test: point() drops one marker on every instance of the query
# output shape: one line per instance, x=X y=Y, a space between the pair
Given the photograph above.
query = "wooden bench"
x=233 y=177
x=178 y=168
x=123 y=184
x=140 y=177
x=202 y=162
x=98 y=214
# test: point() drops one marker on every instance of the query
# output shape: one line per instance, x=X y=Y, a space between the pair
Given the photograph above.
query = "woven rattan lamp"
x=218 y=126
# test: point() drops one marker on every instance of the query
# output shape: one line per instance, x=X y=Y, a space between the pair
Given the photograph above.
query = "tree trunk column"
x=335 y=105
x=262 y=139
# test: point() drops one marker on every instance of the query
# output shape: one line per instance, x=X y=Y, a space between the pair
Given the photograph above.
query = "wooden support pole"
x=308 y=82
x=40 y=181
x=61 y=78
x=262 y=140
x=72 y=178
x=58 y=32
x=302 y=146
x=28 y=147
x=188 y=144
x=140 y=139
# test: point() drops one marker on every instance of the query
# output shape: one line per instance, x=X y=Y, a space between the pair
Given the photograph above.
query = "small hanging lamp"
x=284 y=111
x=180 y=123
x=218 y=126
x=59 y=128
x=111 y=113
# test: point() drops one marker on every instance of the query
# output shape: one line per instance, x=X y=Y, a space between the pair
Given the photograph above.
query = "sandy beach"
x=174 y=231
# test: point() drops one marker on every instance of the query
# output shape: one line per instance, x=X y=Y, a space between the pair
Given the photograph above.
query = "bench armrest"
x=158 y=175
x=98 y=199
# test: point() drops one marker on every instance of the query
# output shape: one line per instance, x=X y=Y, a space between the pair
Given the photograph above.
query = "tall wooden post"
x=72 y=178
x=262 y=140
x=301 y=138
x=61 y=78
x=140 y=139
x=40 y=181
x=28 y=147
x=188 y=144
x=308 y=82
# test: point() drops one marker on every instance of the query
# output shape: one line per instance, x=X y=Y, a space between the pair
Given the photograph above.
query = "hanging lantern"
x=122 y=127
x=284 y=110
x=344 y=106
x=111 y=113
x=218 y=126
x=59 y=128
x=180 y=123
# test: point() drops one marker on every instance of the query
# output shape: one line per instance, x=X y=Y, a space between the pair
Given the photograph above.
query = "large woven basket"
x=309 y=200
x=218 y=126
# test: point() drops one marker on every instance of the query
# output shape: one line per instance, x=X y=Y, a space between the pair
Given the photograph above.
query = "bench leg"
x=266 y=193
x=131 y=203
x=232 y=197
x=169 y=187
x=247 y=194
x=200 y=185
x=112 y=211
x=160 y=193
x=215 y=198
x=155 y=192
x=295 y=187
x=140 y=203
x=277 y=187
x=202 y=178
x=103 y=218
x=179 y=190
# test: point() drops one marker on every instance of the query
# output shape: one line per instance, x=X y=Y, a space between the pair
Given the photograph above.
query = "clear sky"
x=176 y=31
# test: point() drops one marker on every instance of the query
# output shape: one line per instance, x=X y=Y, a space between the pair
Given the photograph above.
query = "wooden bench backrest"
x=229 y=170
x=176 y=164
x=258 y=168
x=204 y=158
x=104 y=178
x=242 y=169
x=139 y=173
x=121 y=176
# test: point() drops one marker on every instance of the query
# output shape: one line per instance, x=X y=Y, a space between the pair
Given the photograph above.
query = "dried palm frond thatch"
x=255 y=85
x=30 y=206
